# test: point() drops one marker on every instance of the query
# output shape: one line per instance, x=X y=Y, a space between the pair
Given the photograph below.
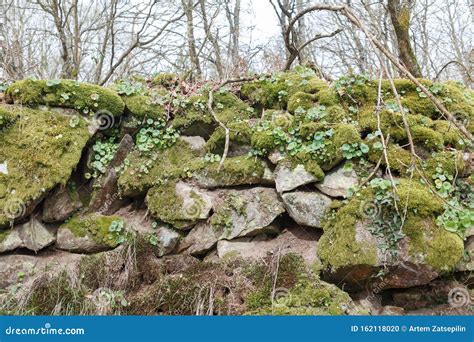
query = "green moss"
x=239 y=133
x=451 y=163
x=399 y=159
x=336 y=114
x=41 y=149
x=142 y=106
x=427 y=138
x=343 y=134
x=87 y=98
x=165 y=204
x=300 y=100
x=143 y=171
x=451 y=134
x=418 y=199
x=275 y=91
x=263 y=140
x=167 y=80
x=240 y=170
x=327 y=97
x=7 y=118
x=441 y=249
x=338 y=246
x=307 y=130
x=95 y=226
x=298 y=292
x=3 y=235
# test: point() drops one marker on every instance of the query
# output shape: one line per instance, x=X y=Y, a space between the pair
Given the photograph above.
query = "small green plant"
x=345 y=84
x=316 y=113
x=117 y=231
x=443 y=182
x=129 y=88
x=103 y=153
x=211 y=158
x=52 y=83
x=354 y=150
x=458 y=215
x=386 y=222
x=155 y=134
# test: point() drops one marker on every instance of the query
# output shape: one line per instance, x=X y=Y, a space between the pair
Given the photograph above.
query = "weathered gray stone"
x=306 y=208
x=20 y=269
x=68 y=241
x=237 y=213
x=467 y=263
x=195 y=143
x=107 y=199
x=337 y=182
x=167 y=240
x=31 y=235
x=288 y=178
x=296 y=240
x=60 y=205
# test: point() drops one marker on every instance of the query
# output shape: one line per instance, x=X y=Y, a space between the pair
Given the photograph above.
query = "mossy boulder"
x=179 y=204
x=195 y=119
x=145 y=170
x=275 y=91
x=143 y=106
x=352 y=243
x=241 y=170
x=40 y=149
x=294 y=290
x=91 y=233
x=86 y=98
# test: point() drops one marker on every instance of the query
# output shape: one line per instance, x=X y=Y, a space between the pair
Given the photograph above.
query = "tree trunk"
x=400 y=13
x=188 y=11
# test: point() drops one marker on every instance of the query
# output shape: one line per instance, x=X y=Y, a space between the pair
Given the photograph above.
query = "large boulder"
x=237 y=213
x=60 y=205
x=337 y=182
x=41 y=149
x=306 y=208
x=362 y=242
x=31 y=235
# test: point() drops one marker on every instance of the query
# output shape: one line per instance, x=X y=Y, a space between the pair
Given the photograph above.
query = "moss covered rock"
x=86 y=98
x=41 y=149
x=142 y=106
x=179 y=204
x=241 y=170
x=91 y=233
x=353 y=241
x=145 y=170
